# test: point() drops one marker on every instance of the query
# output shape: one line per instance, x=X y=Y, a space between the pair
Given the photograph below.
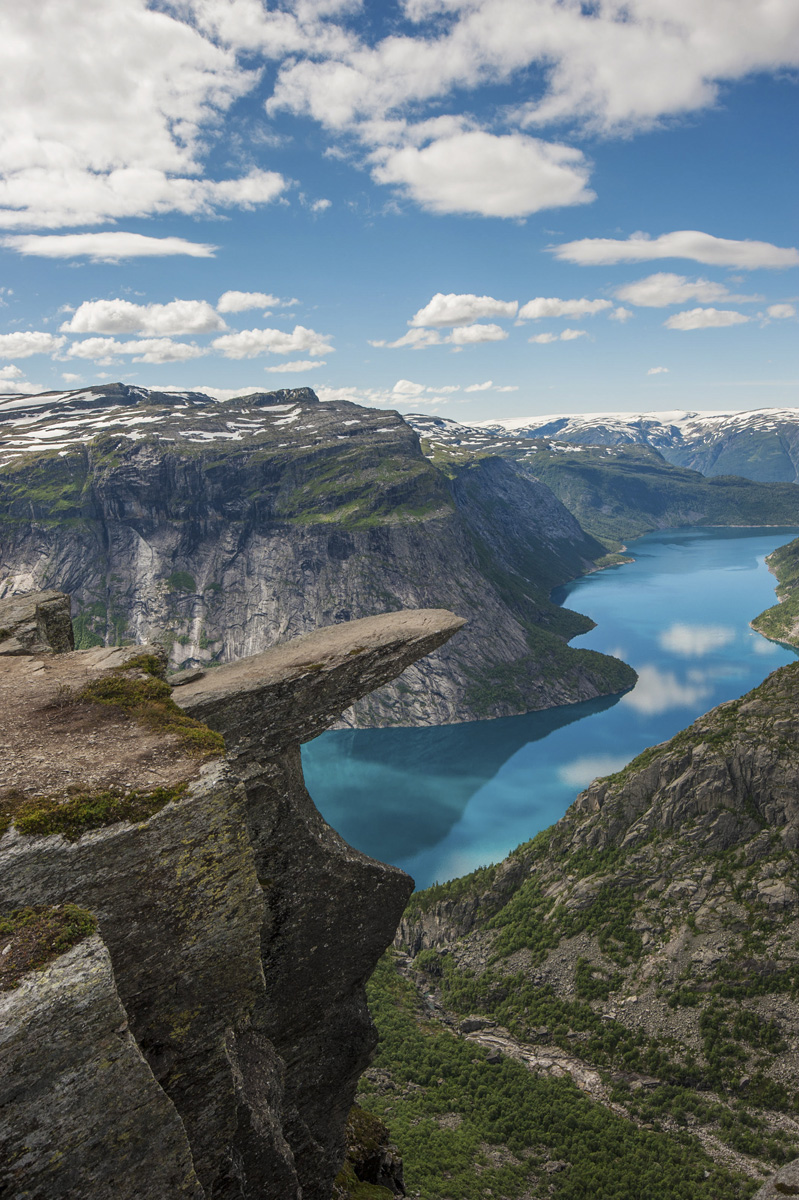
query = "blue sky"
x=480 y=208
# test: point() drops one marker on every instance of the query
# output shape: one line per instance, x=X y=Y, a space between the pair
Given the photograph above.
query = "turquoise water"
x=441 y=801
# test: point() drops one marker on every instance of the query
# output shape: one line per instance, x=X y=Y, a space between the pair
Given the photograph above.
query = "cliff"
x=646 y=945
x=781 y=621
x=219 y=529
x=185 y=941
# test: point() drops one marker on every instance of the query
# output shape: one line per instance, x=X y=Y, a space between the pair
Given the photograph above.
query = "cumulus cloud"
x=119 y=126
x=404 y=387
x=416 y=339
x=781 y=311
x=663 y=289
x=705 y=318
x=461 y=309
x=123 y=316
x=104 y=247
x=233 y=302
x=658 y=371
x=620 y=314
x=480 y=387
x=143 y=350
x=24 y=344
x=566 y=335
x=303 y=364
x=10 y=372
x=551 y=306
x=484 y=174
x=248 y=343
x=473 y=335
x=685 y=243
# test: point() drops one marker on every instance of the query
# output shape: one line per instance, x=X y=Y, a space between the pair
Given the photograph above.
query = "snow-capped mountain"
x=762 y=444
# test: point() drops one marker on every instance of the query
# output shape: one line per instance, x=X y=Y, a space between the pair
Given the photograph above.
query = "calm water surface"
x=441 y=801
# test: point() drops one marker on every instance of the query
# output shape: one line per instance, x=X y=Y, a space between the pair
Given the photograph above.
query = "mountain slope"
x=221 y=528
x=781 y=622
x=648 y=943
x=762 y=444
x=620 y=491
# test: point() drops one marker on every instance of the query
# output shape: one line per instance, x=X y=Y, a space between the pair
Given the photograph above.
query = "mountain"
x=781 y=622
x=616 y=492
x=762 y=444
x=646 y=947
x=222 y=528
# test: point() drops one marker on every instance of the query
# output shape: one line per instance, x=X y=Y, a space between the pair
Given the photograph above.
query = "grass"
x=30 y=938
x=149 y=702
x=79 y=813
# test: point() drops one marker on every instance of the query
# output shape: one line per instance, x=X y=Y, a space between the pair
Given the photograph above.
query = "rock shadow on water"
x=392 y=793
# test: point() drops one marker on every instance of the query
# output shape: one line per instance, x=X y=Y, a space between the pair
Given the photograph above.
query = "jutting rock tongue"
x=240 y=929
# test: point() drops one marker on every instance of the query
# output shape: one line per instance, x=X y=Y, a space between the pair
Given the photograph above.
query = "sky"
x=476 y=208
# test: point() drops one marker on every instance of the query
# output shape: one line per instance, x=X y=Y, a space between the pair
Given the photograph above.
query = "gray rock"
x=36 y=623
x=83 y=1116
x=784 y=1183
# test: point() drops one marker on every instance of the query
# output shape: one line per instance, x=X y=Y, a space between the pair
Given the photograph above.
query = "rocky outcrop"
x=222 y=529
x=36 y=624
x=239 y=928
x=82 y=1113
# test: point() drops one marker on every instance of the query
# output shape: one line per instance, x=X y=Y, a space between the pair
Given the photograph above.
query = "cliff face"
x=221 y=529
x=221 y=1002
x=647 y=943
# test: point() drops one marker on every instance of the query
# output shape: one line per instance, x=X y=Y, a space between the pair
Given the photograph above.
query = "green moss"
x=149 y=701
x=181 y=581
x=43 y=815
x=151 y=664
x=35 y=936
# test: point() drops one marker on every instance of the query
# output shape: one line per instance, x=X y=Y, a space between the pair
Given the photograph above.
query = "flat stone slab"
x=294 y=691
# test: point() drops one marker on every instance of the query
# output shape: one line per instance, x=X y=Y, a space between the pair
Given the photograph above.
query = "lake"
x=441 y=801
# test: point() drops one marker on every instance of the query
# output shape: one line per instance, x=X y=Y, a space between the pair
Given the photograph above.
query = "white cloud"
x=705 y=318
x=24 y=344
x=582 y=771
x=485 y=174
x=685 y=243
x=303 y=364
x=781 y=311
x=70 y=377
x=123 y=316
x=658 y=691
x=695 y=641
x=663 y=288
x=566 y=335
x=551 y=306
x=461 y=309
x=473 y=335
x=614 y=67
x=658 y=371
x=404 y=387
x=116 y=105
x=480 y=387
x=508 y=387
x=233 y=302
x=248 y=343
x=320 y=205
x=620 y=314
x=417 y=339
x=145 y=350
x=104 y=247
x=10 y=372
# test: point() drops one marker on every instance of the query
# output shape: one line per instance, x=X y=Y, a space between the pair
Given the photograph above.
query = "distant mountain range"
x=762 y=444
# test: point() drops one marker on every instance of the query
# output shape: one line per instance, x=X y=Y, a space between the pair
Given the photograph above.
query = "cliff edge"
x=185 y=942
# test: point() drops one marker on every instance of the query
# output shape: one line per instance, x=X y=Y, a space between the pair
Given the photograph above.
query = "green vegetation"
x=468 y=1128
x=781 y=623
x=181 y=581
x=149 y=701
x=33 y=937
x=80 y=812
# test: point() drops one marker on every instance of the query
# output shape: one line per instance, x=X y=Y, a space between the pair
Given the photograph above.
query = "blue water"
x=441 y=801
